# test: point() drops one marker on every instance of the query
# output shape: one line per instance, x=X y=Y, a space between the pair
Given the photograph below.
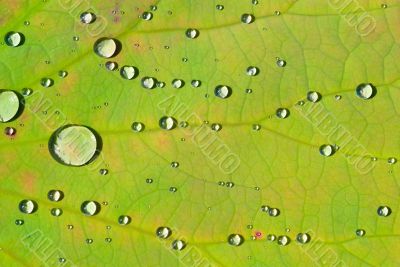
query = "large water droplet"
x=163 y=232
x=303 y=238
x=178 y=244
x=365 y=91
x=129 y=72
x=283 y=240
x=248 y=18
x=74 y=145
x=14 y=39
x=106 y=47
x=384 y=211
x=87 y=17
x=168 y=123
x=192 y=33
x=90 y=207
x=55 y=195
x=28 y=206
x=235 y=239
x=326 y=150
x=223 y=91
x=124 y=220
x=9 y=105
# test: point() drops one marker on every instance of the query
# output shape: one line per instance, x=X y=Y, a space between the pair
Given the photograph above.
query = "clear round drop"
x=178 y=244
x=90 y=207
x=303 y=238
x=280 y=63
x=56 y=212
x=313 y=96
x=137 y=126
x=274 y=212
x=147 y=15
x=55 y=195
x=392 y=160
x=124 y=220
x=105 y=47
x=222 y=91
x=168 y=123
x=365 y=91
x=283 y=240
x=282 y=113
x=326 y=150
x=87 y=17
x=248 y=18
x=27 y=206
x=177 y=83
x=219 y=7
x=74 y=145
x=149 y=82
x=111 y=65
x=384 y=211
x=252 y=71
x=46 y=82
x=9 y=105
x=192 y=33
x=360 y=232
x=195 y=83
x=14 y=39
x=128 y=72
x=25 y=92
x=235 y=240
x=163 y=232
x=216 y=127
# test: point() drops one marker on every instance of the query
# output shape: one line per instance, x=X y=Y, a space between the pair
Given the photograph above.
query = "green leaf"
x=204 y=185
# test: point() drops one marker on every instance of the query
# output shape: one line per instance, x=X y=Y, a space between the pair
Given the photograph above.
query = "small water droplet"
x=221 y=183
x=313 y=96
x=192 y=33
x=326 y=150
x=160 y=84
x=108 y=239
x=360 y=232
x=223 y=91
x=249 y=91
x=75 y=38
x=384 y=6
x=103 y=171
x=365 y=91
x=195 y=83
x=265 y=208
x=14 y=39
x=280 y=62
x=392 y=160
x=28 y=206
x=105 y=47
x=149 y=82
x=147 y=15
x=248 y=18
x=55 y=195
x=277 y=13
x=274 y=212
x=87 y=17
x=163 y=232
x=338 y=97
x=149 y=180
x=252 y=71
x=173 y=189
x=56 y=212
x=27 y=23
x=384 y=211
x=167 y=123
x=178 y=83
x=70 y=227
x=283 y=240
x=183 y=124
x=89 y=241
x=235 y=239
x=256 y=127
x=174 y=164
x=62 y=73
x=129 y=72
x=124 y=220
x=46 y=82
x=271 y=237
x=282 y=113
x=25 y=92
x=178 y=244
x=137 y=126
x=219 y=7
x=19 y=222
x=153 y=7
x=90 y=208
x=230 y=184
x=303 y=238
x=216 y=127
x=111 y=65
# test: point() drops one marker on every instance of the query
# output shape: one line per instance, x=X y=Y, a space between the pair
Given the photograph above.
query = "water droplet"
x=174 y=164
x=338 y=97
x=153 y=8
x=147 y=15
x=192 y=33
x=56 y=212
x=137 y=126
x=252 y=71
x=149 y=180
x=75 y=38
x=256 y=127
x=167 y=123
x=365 y=91
x=105 y=47
x=90 y=208
x=173 y=189
x=392 y=160
x=280 y=63
x=300 y=103
x=277 y=13
x=282 y=113
x=178 y=83
x=271 y=237
x=223 y=91
x=27 y=23
x=230 y=184
x=196 y=83
x=89 y=241
x=10 y=131
x=219 y=7
x=160 y=84
x=55 y=195
x=25 y=92
x=129 y=72
x=360 y=232
x=313 y=96
x=46 y=82
x=70 y=227
x=163 y=232
x=62 y=74
x=178 y=244
x=28 y=206
x=103 y=171
x=9 y=105
x=108 y=239
x=235 y=239
x=283 y=240
x=149 y=82
x=87 y=17
x=384 y=211
x=19 y=222
x=248 y=18
x=384 y=6
x=303 y=238
x=249 y=226
x=274 y=212
x=265 y=208
x=74 y=145
x=124 y=220
x=183 y=124
x=326 y=150
x=111 y=65
x=221 y=183
x=216 y=127
x=249 y=91
x=14 y=39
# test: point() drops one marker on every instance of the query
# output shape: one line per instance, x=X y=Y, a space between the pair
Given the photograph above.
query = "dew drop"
x=105 y=47
x=216 y=127
x=248 y=91
x=27 y=23
x=282 y=113
x=223 y=91
x=9 y=105
x=10 y=131
x=124 y=220
x=271 y=237
x=195 y=83
x=28 y=206
x=62 y=74
x=56 y=212
x=25 y=92
x=89 y=241
x=163 y=232
x=252 y=71
x=46 y=82
x=248 y=18
x=313 y=96
x=178 y=244
x=149 y=82
x=230 y=184
x=14 y=39
x=326 y=150
x=360 y=232
x=137 y=126
x=75 y=38
x=392 y=160
x=90 y=208
x=19 y=222
x=280 y=63
x=149 y=180
x=55 y=195
x=103 y=171
x=160 y=84
x=74 y=145
x=62 y=260
x=303 y=238
x=338 y=97
x=174 y=164
x=219 y=7
x=70 y=227
x=111 y=65
x=256 y=127
x=283 y=240
x=265 y=208
x=173 y=189
x=87 y=17
x=235 y=240
x=274 y=212
x=183 y=124
x=153 y=7
x=128 y=72
x=192 y=33
x=108 y=239
x=384 y=211
x=178 y=83
x=167 y=123
x=147 y=15
x=365 y=91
